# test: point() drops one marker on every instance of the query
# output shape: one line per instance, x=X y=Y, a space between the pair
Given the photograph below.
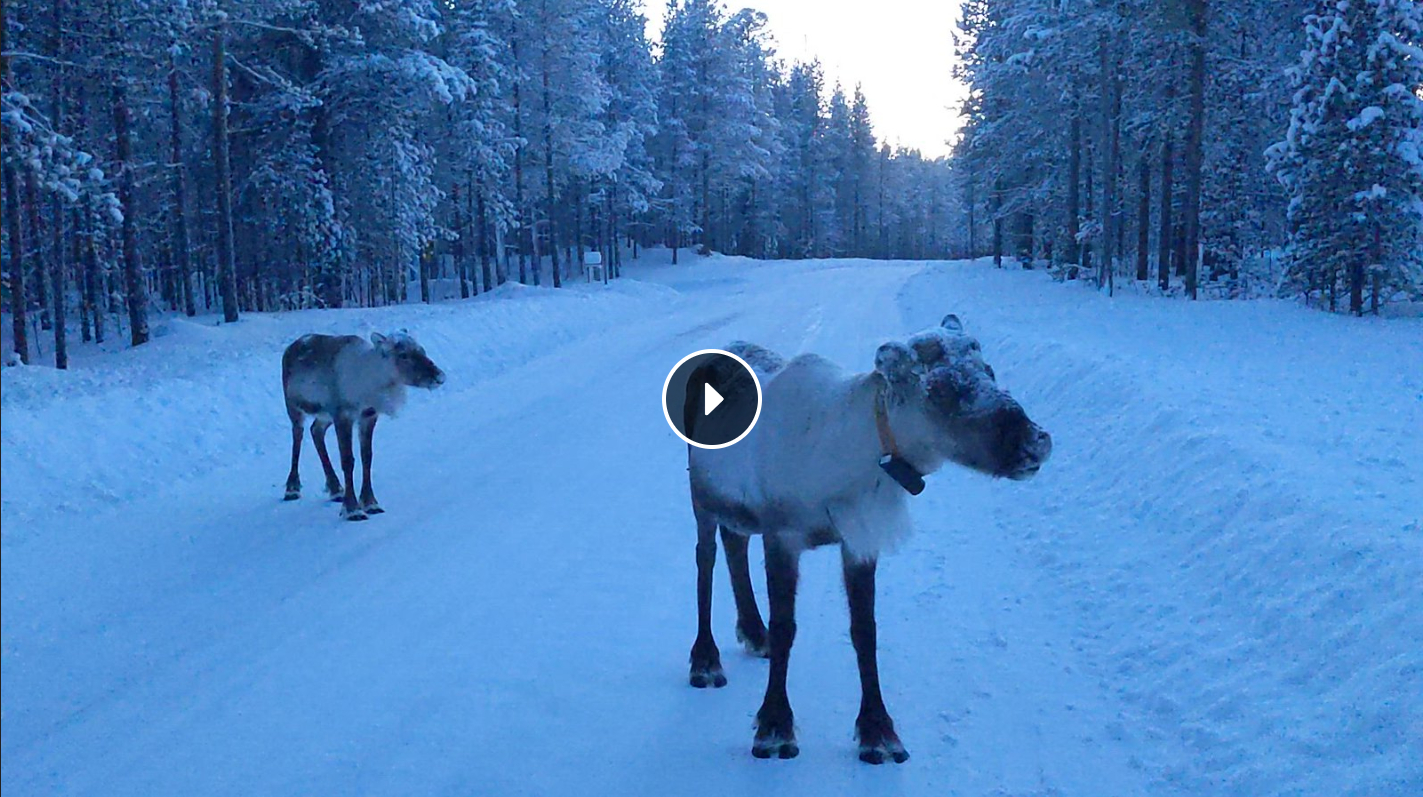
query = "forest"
x=286 y=154
x=1256 y=147
x=204 y=156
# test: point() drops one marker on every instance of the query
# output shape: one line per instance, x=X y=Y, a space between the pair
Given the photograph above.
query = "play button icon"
x=711 y=398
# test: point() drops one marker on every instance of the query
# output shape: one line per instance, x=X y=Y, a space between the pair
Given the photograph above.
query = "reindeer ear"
x=895 y=361
x=952 y=323
x=378 y=340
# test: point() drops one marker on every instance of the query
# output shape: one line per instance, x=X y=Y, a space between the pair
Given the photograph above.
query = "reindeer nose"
x=1041 y=447
x=439 y=377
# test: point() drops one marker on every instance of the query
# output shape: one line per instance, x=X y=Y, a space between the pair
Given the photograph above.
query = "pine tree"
x=1351 y=158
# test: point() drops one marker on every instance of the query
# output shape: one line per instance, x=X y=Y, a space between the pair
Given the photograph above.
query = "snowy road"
x=1211 y=589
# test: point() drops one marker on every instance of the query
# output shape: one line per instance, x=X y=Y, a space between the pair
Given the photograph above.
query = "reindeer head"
x=412 y=365
x=943 y=403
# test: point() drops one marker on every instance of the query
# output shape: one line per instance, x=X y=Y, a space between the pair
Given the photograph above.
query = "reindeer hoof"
x=754 y=641
x=292 y=495
x=885 y=752
x=706 y=664
x=706 y=676
x=879 y=743
x=775 y=733
x=373 y=508
x=353 y=514
x=775 y=747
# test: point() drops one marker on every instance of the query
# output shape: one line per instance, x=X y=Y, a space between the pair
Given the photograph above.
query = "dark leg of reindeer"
x=750 y=630
x=350 y=510
x=294 y=477
x=368 y=495
x=874 y=728
x=775 y=724
x=706 y=659
x=318 y=436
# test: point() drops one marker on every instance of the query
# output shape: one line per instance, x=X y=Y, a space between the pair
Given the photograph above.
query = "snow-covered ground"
x=1212 y=588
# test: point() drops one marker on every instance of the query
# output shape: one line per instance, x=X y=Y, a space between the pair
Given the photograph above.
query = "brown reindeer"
x=345 y=380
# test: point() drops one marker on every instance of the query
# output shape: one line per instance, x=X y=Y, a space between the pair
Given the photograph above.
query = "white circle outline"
x=666 y=383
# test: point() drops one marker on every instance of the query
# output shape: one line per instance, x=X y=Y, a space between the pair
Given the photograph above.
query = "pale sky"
x=900 y=51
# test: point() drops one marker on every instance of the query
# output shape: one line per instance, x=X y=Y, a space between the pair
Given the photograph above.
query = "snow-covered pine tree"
x=691 y=70
x=380 y=86
x=739 y=138
x=630 y=119
x=837 y=146
x=858 y=173
x=480 y=146
x=1393 y=122
x=1350 y=159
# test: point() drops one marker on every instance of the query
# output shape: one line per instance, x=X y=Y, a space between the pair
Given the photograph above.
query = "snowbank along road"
x=1212 y=588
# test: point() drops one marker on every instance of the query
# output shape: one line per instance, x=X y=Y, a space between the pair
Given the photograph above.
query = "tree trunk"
x=616 y=240
x=422 y=262
x=1074 y=186
x=59 y=281
x=1164 y=232
x=520 y=222
x=998 y=222
x=16 y=265
x=549 y=203
x=181 y=261
x=94 y=278
x=19 y=298
x=135 y=289
x=1143 y=218
x=461 y=266
x=883 y=240
x=707 y=242
x=578 y=200
x=1027 y=229
x=37 y=261
x=1179 y=255
x=1089 y=209
x=1106 y=267
x=77 y=236
x=1357 y=270
x=970 y=202
x=226 y=268
x=483 y=241
x=477 y=240
x=1195 y=130
x=676 y=220
x=610 y=241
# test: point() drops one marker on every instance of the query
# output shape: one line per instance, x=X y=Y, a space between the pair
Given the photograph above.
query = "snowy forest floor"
x=1212 y=588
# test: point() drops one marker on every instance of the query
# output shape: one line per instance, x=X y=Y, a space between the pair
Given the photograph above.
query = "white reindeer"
x=833 y=459
x=343 y=379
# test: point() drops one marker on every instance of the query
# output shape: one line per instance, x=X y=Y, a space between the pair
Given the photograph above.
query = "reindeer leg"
x=775 y=723
x=318 y=436
x=874 y=728
x=706 y=659
x=294 y=477
x=350 y=510
x=750 y=629
x=368 y=496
